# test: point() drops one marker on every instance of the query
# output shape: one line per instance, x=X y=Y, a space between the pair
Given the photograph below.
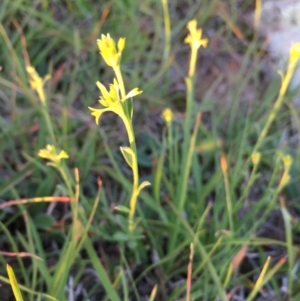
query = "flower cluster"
x=37 y=83
x=108 y=50
x=112 y=99
x=50 y=153
x=194 y=38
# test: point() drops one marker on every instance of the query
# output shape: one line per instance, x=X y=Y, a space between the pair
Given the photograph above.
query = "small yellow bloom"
x=111 y=100
x=121 y=44
x=37 y=83
x=287 y=162
x=194 y=38
x=295 y=53
x=167 y=115
x=108 y=50
x=111 y=96
x=51 y=154
x=255 y=158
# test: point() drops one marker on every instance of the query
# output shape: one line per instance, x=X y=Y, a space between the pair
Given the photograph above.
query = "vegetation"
x=179 y=194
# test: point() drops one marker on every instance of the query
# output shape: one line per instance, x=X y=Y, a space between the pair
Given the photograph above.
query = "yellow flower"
x=194 y=38
x=111 y=96
x=167 y=115
x=111 y=100
x=287 y=162
x=51 y=154
x=37 y=83
x=295 y=53
x=255 y=158
x=108 y=50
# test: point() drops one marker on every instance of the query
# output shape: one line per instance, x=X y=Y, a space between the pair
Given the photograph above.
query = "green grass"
x=206 y=190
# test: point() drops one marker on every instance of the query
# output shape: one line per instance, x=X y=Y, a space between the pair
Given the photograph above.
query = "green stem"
x=190 y=83
x=183 y=180
x=48 y=123
x=193 y=60
x=188 y=145
x=119 y=76
x=189 y=109
x=135 y=172
x=129 y=129
x=277 y=105
x=167 y=30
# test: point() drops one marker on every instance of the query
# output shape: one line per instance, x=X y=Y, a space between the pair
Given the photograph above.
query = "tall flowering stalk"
x=115 y=99
x=195 y=41
x=294 y=58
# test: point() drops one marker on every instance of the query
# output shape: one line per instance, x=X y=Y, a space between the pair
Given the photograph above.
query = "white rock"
x=280 y=23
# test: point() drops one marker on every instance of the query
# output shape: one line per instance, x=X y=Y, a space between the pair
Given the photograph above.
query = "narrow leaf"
x=122 y=209
x=128 y=155
x=239 y=257
x=153 y=293
x=143 y=185
x=14 y=283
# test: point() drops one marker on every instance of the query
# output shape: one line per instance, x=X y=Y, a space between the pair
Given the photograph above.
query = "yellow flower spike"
x=195 y=41
x=167 y=115
x=37 y=83
x=194 y=38
x=51 y=154
x=108 y=50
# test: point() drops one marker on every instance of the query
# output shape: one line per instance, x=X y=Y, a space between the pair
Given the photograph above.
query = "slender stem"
x=135 y=172
x=224 y=169
x=190 y=83
x=193 y=61
x=118 y=73
x=172 y=166
x=188 y=145
x=129 y=129
x=183 y=180
x=284 y=86
x=167 y=30
x=48 y=123
x=189 y=109
x=131 y=138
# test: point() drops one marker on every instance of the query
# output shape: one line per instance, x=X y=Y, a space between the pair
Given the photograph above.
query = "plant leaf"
x=128 y=154
x=44 y=220
x=122 y=209
x=129 y=106
x=153 y=293
x=143 y=185
x=14 y=283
